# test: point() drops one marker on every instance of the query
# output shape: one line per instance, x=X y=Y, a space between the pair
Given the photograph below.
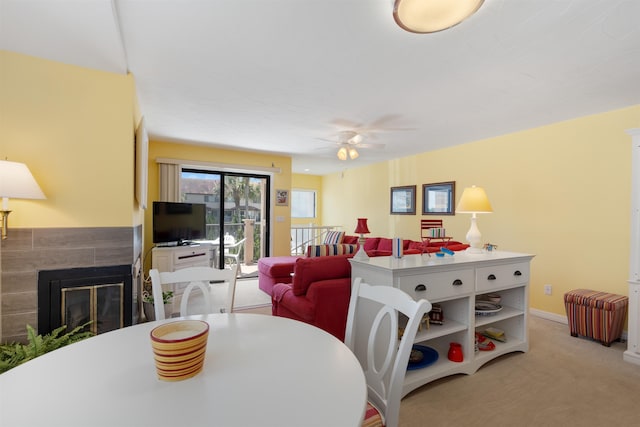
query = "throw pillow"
x=333 y=237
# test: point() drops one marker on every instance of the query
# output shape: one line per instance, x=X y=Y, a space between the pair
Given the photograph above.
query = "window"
x=303 y=204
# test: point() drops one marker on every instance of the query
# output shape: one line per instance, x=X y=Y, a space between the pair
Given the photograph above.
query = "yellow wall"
x=309 y=182
x=73 y=127
x=561 y=192
x=159 y=149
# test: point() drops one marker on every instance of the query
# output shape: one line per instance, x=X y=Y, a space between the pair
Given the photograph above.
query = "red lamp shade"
x=362 y=228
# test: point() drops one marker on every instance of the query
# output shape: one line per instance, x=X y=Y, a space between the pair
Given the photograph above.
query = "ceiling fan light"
x=356 y=139
x=353 y=153
x=430 y=16
x=342 y=153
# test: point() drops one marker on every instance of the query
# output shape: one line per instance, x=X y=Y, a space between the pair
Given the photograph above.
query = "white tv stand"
x=453 y=282
x=171 y=258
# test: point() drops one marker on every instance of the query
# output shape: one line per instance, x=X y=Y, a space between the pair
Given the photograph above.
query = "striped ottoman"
x=596 y=315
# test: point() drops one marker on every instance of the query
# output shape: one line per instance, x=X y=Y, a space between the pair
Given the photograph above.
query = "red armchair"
x=319 y=294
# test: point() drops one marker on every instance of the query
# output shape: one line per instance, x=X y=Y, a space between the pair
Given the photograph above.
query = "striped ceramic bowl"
x=179 y=348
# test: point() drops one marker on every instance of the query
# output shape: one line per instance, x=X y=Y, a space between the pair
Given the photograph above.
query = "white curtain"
x=169 y=182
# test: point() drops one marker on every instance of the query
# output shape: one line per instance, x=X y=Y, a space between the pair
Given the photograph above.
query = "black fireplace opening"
x=101 y=297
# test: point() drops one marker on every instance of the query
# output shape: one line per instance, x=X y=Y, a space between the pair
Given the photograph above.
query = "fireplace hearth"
x=75 y=296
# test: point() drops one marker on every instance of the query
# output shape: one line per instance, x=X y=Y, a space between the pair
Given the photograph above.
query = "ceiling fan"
x=348 y=142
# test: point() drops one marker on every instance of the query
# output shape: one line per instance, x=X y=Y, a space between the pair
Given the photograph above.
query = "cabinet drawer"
x=191 y=257
x=435 y=286
x=501 y=276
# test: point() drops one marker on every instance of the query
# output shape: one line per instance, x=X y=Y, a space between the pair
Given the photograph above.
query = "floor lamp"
x=474 y=200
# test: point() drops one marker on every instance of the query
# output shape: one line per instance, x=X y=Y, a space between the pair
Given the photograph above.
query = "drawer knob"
x=517 y=273
x=491 y=277
x=457 y=282
x=420 y=288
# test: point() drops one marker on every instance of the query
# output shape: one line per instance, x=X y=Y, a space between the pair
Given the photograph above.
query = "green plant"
x=166 y=297
x=14 y=354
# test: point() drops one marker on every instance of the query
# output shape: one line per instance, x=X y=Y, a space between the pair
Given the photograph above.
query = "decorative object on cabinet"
x=474 y=200
x=361 y=229
x=436 y=315
x=16 y=181
x=438 y=198
x=371 y=333
x=489 y=247
x=455 y=352
x=495 y=333
x=487 y=308
x=432 y=231
x=421 y=357
x=403 y=200
x=430 y=16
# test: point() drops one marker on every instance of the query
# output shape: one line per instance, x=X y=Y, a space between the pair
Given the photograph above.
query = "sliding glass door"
x=237 y=214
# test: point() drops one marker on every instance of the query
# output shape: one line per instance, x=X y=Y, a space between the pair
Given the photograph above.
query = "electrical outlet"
x=547 y=289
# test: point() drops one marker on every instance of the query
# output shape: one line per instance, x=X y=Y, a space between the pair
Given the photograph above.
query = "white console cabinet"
x=171 y=258
x=454 y=282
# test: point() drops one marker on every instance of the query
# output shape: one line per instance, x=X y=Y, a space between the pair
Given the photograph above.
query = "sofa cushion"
x=308 y=270
x=333 y=237
x=384 y=244
x=351 y=240
x=371 y=243
x=330 y=250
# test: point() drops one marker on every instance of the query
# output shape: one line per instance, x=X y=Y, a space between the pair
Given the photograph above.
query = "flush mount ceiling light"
x=430 y=16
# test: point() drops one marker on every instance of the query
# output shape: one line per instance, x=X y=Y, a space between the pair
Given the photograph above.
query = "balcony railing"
x=305 y=235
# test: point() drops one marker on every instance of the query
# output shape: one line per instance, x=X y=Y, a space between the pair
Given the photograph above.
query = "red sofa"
x=272 y=270
x=318 y=295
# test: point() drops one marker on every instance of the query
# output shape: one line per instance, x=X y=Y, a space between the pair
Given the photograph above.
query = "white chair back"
x=375 y=314
x=196 y=278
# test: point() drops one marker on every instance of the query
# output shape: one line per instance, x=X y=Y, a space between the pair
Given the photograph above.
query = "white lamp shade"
x=474 y=200
x=16 y=181
x=342 y=153
x=430 y=16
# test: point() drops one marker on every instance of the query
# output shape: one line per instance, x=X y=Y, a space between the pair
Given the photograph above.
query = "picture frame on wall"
x=403 y=200
x=439 y=198
x=282 y=197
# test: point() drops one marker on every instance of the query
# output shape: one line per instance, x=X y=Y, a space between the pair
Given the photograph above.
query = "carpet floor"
x=561 y=381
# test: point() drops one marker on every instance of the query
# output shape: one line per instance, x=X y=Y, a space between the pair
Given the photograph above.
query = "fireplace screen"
x=100 y=304
x=73 y=297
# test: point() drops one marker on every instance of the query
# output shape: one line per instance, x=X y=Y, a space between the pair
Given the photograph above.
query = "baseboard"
x=549 y=316
x=562 y=319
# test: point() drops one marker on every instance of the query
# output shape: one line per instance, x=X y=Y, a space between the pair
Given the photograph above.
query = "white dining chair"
x=374 y=316
x=200 y=279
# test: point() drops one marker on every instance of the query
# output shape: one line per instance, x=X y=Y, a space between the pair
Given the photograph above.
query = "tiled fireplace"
x=27 y=252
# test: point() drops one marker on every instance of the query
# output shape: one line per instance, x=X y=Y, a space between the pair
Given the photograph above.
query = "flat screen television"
x=178 y=223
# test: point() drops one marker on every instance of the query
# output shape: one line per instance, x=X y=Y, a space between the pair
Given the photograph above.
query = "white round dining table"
x=259 y=371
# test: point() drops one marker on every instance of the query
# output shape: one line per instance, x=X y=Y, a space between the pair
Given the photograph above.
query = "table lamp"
x=15 y=181
x=474 y=200
x=361 y=229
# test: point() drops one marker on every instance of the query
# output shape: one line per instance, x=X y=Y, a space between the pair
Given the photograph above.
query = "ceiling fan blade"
x=370 y=145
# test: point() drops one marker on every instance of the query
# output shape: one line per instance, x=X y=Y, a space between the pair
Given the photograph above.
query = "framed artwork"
x=403 y=200
x=282 y=197
x=438 y=198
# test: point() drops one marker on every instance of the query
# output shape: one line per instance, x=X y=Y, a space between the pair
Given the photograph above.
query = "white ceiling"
x=281 y=75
